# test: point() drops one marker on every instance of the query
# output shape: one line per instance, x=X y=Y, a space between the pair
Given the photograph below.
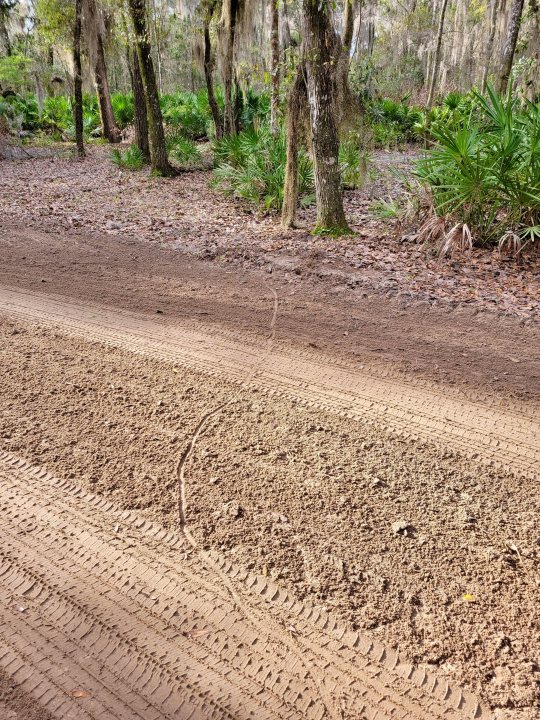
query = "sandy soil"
x=472 y=347
x=300 y=495
x=307 y=497
x=16 y=704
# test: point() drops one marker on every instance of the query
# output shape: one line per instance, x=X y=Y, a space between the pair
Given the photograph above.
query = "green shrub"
x=57 y=113
x=353 y=163
x=183 y=149
x=131 y=159
x=393 y=123
x=484 y=176
x=188 y=113
x=251 y=166
x=123 y=109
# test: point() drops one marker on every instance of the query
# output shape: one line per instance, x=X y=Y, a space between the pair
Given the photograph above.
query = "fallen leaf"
x=469 y=598
x=80 y=694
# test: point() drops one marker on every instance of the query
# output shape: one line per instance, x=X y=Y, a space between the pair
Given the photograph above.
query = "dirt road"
x=500 y=436
x=105 y=615
x=351 y=478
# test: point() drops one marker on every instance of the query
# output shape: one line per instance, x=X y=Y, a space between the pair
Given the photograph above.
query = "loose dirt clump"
x=399 y=537
x=15 y=704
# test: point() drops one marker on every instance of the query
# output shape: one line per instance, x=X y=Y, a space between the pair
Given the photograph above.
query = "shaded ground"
x=52 y=193
x=490 y=354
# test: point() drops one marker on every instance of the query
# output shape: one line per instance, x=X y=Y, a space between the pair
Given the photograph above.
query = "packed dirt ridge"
x=106 y=615
x=502 y=436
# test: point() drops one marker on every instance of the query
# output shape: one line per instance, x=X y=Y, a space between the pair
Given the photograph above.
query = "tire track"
x=106 y=615
x=505 y=437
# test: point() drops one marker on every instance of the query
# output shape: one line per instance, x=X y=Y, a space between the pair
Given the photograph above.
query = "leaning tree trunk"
x=274 y=68
x=156 y=133
x=227 y=27
x=509 y=50
x=96 y=47
x=490 y=43
x=140 y=117
x=437 y=58
x=296 y=108
x=322 y=50
x=77 y=80
x=209 y=70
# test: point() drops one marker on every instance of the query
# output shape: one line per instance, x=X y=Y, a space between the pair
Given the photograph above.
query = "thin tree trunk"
x=285 y=27
x=4 y=35
x=509 y=50
x=322 y=50
x=274 y=42
x=139 y=102
x=156 y=133
x=490 y=43
x=238 y=104
x=227 y=29
x=437 y=58
x=94 y=28
x=296 y=105
x=77 y=80
x=39 y=93
x=209 y=70
x=347 y=106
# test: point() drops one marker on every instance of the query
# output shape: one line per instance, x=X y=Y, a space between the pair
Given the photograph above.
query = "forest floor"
x=374 y=451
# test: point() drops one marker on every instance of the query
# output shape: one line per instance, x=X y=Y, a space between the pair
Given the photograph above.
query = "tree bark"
x=490 y=43
x=285 y=26
x=229 y=11
x=347 y=106
x=94 y=28
x=437 y=57
x=77 y=80
x=4 y=35
x=274 y=68
x=322 y=50
x=140 y=118
x=296 y=107
x=156 y=133
x=509 y=50
x=209 y=70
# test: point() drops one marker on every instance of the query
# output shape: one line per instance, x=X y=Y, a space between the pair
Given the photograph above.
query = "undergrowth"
x=129 y=159
x=484 y=176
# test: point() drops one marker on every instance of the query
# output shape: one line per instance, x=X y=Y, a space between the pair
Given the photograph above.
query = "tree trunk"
x=509 y=50
x=437 y=58
x=348 y=107
x=209 y=70
x=158 y=150
x=274 y=41
x=296 y=106
x=77 y=80
x=4 y=35
x=227 y=29
x=322 y=50
x=490 y=43
x=139 y=116
x=95 y=32
x=285 y=26
x=39 y=92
